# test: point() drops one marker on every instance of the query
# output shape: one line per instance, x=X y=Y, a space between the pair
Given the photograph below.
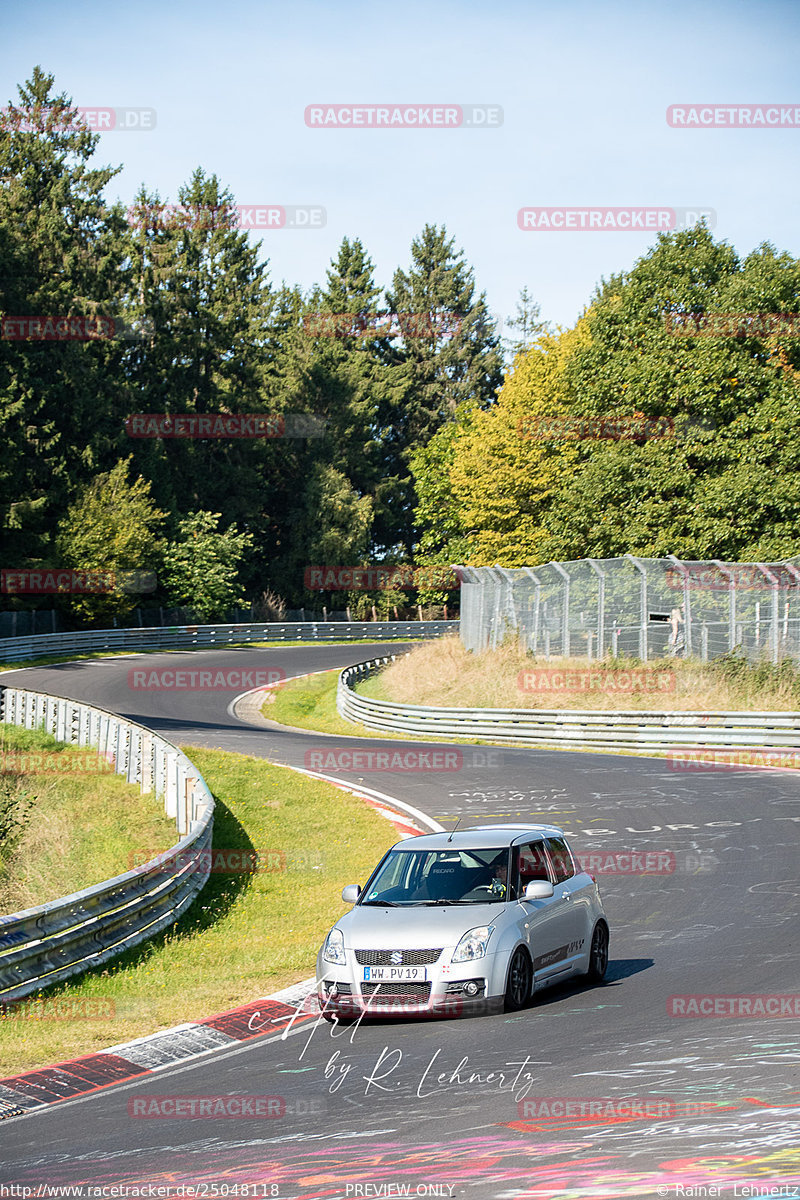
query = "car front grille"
x=383 y=958
x=395 y=993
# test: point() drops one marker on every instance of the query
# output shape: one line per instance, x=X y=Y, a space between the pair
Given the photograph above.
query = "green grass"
x=309 y=702
x=66 y=820
x=244 y=937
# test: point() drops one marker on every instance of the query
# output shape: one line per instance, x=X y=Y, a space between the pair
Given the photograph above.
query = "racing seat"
x=444 y=881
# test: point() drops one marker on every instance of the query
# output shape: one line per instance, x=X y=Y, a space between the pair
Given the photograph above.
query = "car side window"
x=561 y=858
x=532 y=864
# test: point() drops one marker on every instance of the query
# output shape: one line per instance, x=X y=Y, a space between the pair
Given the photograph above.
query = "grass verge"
x=443 y=673
x=67 y=820
x=309 y=702
x=244 y=937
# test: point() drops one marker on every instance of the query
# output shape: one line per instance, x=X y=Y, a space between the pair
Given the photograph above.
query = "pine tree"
x=63 y=252
x=527 y=324
x=450 y=355
x=198 y=285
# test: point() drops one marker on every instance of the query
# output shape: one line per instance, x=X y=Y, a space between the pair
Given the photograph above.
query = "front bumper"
x=449 y=989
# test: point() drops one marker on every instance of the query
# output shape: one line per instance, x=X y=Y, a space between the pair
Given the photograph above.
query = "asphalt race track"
x=466 y=1107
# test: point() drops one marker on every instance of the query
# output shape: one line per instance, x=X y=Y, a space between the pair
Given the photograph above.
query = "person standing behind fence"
x=677 y=639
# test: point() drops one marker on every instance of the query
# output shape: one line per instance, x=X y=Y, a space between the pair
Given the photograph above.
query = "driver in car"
x=499 y=882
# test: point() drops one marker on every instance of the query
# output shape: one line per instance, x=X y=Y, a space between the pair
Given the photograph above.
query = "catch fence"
x=644 y=607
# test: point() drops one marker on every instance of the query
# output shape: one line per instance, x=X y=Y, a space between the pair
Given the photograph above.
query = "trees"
x=63 y=254
x=505 y=469
x=198 y=283
x=526 y=323
x=450 y=357
x=349 y=381
x=721 y=483
x=113 y=526
x=202 y=565
x=703 y=461
x=421 y=454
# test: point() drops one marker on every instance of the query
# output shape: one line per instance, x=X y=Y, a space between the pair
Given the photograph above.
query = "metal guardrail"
x=568 y=727
x=189 y=637
x=65 y=937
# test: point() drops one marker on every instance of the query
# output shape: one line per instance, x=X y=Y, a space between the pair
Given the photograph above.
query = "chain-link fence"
x=645 y=607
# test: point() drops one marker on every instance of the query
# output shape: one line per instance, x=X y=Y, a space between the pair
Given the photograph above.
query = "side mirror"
x=538 y=889
x=353 y=890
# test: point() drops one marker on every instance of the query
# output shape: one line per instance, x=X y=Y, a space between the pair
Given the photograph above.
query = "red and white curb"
x=21 y=1095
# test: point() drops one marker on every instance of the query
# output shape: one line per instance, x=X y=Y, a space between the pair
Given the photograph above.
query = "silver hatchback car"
x=477 y=919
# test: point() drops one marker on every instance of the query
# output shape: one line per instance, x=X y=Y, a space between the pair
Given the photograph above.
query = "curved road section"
x=681 y=1073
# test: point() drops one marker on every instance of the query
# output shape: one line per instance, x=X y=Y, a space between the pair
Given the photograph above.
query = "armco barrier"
x=190 y=637
x=49 y=943
x=567 y=727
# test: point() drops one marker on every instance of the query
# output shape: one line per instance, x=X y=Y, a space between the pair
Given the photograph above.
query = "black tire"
x=518 y=984
x=598 y=955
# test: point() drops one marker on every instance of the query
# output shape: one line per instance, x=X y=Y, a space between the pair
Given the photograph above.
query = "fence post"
x=537 y=604
x=643 y=647
x=601 y=605
x=564 y=608
x=773 y=621
x=731 y=601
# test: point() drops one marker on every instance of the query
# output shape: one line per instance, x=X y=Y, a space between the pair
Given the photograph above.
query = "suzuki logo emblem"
x=396 y=957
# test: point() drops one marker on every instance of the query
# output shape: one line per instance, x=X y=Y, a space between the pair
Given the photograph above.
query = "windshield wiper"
x=380 y=903
x=429 y=903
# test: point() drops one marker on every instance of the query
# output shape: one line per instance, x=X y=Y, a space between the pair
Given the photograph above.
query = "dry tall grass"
x=66 y=822
x=443 y=673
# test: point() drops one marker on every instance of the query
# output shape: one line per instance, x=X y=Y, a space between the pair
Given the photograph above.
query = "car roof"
x=477 y=836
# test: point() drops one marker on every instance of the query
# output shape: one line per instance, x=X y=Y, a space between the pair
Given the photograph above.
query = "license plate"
x=395 y=975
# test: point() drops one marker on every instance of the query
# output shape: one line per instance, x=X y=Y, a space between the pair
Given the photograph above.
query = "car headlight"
x=334 y=948
x=473 y=944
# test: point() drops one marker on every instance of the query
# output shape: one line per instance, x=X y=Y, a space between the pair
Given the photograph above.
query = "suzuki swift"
x=476 y=919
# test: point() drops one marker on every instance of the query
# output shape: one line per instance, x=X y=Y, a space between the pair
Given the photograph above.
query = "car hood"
x=413 y=928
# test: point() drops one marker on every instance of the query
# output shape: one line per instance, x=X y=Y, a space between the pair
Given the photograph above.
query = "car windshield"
x=448 y=876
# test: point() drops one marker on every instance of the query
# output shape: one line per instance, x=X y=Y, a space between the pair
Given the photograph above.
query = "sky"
x=583 y=90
